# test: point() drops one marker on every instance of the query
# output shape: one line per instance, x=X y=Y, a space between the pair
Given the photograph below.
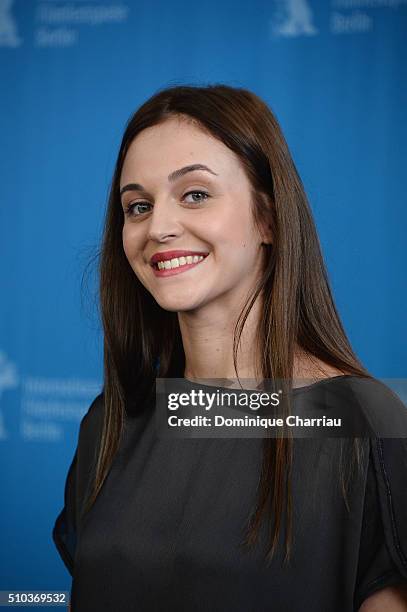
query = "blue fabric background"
x=334 y=72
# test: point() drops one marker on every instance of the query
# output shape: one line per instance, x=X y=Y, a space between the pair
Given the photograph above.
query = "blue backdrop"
x=71 y=75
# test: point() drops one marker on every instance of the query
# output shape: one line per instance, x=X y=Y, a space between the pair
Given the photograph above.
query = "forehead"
x=177 y=142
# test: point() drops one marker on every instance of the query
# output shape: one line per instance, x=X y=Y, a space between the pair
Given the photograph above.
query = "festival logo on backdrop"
x=61 y=24
x=294 y=18
x=45 y=408
x=8 y=29
x=8 y=380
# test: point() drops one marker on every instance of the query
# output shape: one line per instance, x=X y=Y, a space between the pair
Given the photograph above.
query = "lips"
x=166 y=255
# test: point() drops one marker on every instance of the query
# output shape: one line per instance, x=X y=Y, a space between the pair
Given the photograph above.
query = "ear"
x=266 y=236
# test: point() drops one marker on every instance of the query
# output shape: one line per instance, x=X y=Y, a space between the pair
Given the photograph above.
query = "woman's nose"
x=163 y=223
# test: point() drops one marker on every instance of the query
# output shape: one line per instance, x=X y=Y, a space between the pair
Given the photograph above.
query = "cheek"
x=236 y=233
x=131 y=242
x=236 y=221
x=240 y=244
x=228 y=229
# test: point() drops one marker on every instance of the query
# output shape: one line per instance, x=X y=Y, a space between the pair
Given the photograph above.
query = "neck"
x=207 y=337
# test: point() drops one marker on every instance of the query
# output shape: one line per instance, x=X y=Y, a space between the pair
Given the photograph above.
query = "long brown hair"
x=298 y=308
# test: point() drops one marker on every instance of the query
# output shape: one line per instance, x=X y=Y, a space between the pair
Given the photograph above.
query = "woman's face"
x=173 y=213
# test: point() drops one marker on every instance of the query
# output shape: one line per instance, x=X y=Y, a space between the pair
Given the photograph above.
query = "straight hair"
x=298 y=309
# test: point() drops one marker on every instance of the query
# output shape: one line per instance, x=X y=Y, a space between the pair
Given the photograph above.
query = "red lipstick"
x=165 y=255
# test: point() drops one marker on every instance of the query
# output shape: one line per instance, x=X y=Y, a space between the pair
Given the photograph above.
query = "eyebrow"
x=171 y=177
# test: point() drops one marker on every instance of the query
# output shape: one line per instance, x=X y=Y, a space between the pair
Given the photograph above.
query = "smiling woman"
x=215 y=227
x=211 y=268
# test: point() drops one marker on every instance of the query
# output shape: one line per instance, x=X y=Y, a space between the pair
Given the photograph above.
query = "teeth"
x=176 y=262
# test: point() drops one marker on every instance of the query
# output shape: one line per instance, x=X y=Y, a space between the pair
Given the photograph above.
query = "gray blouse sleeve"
x=64 y=531
x=383 y=543
x=78 y=482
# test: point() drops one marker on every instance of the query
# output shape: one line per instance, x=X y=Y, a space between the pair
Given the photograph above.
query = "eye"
x=198 y=193
x=135 y=209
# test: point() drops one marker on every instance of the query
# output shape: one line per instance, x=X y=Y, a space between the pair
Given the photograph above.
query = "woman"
x=211 y=269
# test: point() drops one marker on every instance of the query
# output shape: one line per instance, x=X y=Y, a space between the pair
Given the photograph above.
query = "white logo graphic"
x=294 y=18
x=3 y=432
x=8 y=380
x=8 y=28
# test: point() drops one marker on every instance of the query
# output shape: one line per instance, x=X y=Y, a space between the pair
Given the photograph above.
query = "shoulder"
x=93 y=418
x=368 y=406
x=89 y=440
x=380 y=405
x=90 y=431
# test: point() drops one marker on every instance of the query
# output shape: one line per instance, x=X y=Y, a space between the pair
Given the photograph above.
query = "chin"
x=177 y=305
